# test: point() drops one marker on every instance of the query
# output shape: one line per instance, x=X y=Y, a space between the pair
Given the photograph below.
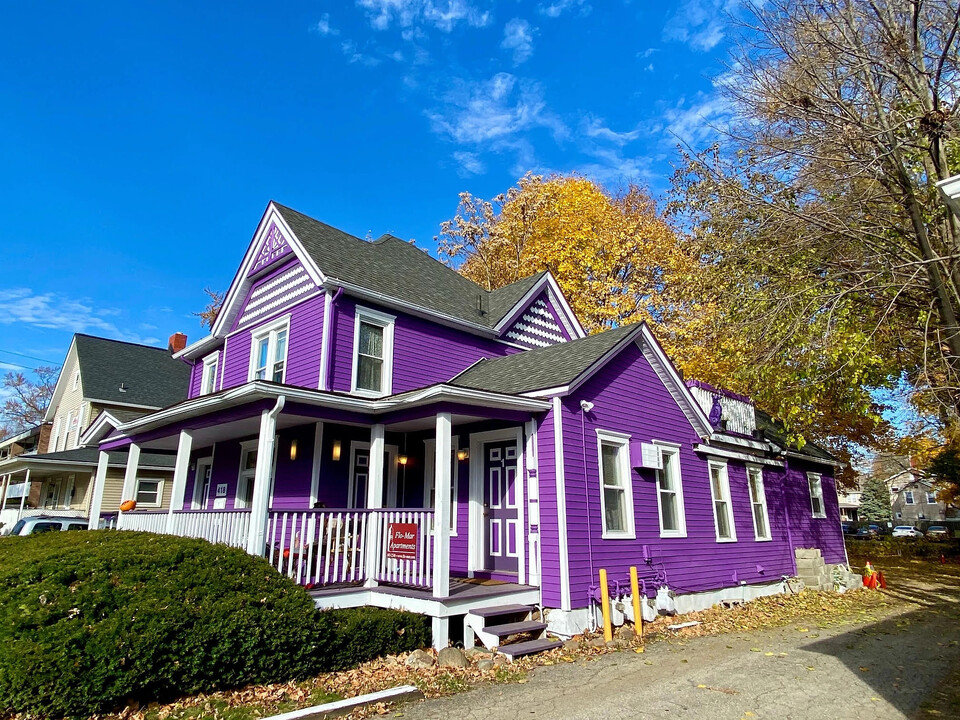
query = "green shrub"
x=91 y=620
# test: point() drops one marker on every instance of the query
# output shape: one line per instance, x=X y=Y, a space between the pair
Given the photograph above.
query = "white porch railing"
x=143 y=521
x=229 y=527
x=323 y=547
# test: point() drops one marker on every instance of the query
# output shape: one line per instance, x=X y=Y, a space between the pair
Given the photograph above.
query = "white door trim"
x=389 y=472
x=477 y=527
x=198 y=502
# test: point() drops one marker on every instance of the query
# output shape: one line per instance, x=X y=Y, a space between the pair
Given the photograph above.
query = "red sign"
x=402 y=541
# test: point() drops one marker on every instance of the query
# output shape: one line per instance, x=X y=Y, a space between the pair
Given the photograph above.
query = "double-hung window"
x=268 y=356
x=816 y=495
x=722 y=508
x=616 y=492
x=931 y=498
x=758 y=503
x=208 y=380
x=670 y=493
x=149 y=492
x=908 y=497
x=373 y=353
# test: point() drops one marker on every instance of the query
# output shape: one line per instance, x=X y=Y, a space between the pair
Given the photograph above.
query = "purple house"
x=388 y=433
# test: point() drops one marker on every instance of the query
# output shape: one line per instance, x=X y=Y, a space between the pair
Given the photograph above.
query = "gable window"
x=758 y=503
x=268 y=355
x=670 y=493
x=149 y=492
x=616 y=493
x=55 y=438
x=208 y=380
x=816 y=495
x=373 y=353
x=908 y=497
x=722 y=509
x=76 y=380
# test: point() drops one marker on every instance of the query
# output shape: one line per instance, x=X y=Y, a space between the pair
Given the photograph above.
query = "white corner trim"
x=565 y=603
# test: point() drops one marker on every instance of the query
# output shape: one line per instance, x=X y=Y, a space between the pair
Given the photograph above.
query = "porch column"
x=26 y=491
x=99 y=480
x=129 y=491
x=441 y=517
x=180 y=468
x=260 y=506
x=3 y=495
x=374 y=502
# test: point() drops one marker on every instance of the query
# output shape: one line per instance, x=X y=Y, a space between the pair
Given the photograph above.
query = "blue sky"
x=142 y=141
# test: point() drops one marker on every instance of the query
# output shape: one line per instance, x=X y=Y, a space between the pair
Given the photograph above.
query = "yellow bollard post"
x=605 y=607
x=635 y=592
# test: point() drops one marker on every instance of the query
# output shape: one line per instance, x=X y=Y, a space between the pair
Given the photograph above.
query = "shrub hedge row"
x=91 y=620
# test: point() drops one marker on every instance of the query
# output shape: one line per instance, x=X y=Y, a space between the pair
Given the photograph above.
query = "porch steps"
x=493 y=625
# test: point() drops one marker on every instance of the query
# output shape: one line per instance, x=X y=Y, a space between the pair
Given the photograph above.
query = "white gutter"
x=719 y=452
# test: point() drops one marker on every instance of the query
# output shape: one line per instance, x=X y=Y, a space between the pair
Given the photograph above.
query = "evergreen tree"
x=875 y=501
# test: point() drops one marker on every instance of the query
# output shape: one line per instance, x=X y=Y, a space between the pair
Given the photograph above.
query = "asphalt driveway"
x=877 y=670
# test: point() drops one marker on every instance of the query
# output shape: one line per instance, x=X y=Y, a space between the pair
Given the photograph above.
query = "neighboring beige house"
x=913 y=500
x=102 y=383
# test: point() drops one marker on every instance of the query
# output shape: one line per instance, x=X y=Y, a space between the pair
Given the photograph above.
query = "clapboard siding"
x=549 y=523
x=824 y=533
x=424 y=353
x=630 y=398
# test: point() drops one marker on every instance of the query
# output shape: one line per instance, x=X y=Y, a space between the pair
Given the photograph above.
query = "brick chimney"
x=176 y=343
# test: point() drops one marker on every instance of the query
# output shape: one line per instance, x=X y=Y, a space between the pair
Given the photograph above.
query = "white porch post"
x=26 y=491
x=374 y=502
x=129 y=479
x=3 y=495
x=441 y=517
x=180 y=468
x=260 y=506
x=99 y=480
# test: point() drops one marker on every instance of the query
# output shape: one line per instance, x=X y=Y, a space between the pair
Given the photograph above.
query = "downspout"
x=585 y=407
x=329 y=303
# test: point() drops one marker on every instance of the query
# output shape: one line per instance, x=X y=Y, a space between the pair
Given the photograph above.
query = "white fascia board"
x=514 y=312
x=94 y=432
x=548 y=392
x=567 y=316
x=816 y=461
x=122 y=404
x=200 y=347
x=733 y=455
x=950 y=192
x=719 y=437
x=695 y=414
x=57 y=389
x=472 y=397
x=241 y=281
x=331 y=284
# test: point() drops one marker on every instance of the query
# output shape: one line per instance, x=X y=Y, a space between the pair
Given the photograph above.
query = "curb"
x=342 y=707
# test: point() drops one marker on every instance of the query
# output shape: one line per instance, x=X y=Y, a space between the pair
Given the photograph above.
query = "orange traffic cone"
x=882 y=581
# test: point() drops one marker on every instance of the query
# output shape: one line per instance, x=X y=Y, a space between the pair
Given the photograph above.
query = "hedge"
x=92 y=620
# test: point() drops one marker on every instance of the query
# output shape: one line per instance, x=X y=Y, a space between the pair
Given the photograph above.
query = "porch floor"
x=465 y=595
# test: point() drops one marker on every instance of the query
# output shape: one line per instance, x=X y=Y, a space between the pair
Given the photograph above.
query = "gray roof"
x=91 y=455
x=774 y=431
x=149 y=376
x=548 y=367
x=402 y=271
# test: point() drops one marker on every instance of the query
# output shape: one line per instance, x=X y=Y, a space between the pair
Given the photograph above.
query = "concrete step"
x=500 y=610
x=530 y=647
x=508 y=629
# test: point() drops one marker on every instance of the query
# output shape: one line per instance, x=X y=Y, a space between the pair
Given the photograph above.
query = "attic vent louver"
x=123 y=387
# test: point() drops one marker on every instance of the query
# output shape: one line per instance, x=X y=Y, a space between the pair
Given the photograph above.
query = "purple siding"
x=424 y=353
x=196 y=375
x=550 y=539
x=630 y=398
x=303 y=349
x=808 y=531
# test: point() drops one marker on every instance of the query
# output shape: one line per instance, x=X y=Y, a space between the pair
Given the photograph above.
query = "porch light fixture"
x=293 y=449
x=402 y=459
x=463 y=454
x=336 y=450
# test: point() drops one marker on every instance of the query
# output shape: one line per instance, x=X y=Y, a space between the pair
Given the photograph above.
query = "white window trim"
x=76 y=379
x=725 y=487
x=55 y=437
x=244 y=476
x=269 y=330
x=429 y=460
x=909 y=498
x=823 y=505
x=622 y=441
x=197 y=501
x=387 y=322
x=681 y=531
x=210 y=365
x=159 y=502
x=928 y=495
x=763 y=500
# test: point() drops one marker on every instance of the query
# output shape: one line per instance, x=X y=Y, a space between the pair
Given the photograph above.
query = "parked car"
x=938 y=532
x=906 y=531
x=847 y=528
x=44 y=523
x=865 y=532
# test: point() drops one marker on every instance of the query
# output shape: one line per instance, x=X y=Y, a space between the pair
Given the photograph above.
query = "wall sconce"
x=336 y=450
x=402 y=459
x=463 y=454
x=293 y=449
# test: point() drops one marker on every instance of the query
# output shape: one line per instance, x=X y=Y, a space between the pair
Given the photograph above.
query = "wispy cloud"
x=697 y=121
x=324 y=27
x=469 y=163
x=518 y=37
x=594 y=127
x=412 y=13
x=355 y=55
x=699 y=23
x=58 y=312
x=558 y=7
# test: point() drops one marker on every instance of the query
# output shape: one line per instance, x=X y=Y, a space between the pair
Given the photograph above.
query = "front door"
x=500 y=506
x=360 y=473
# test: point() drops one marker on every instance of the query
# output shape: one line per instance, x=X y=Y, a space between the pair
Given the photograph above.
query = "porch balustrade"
x=315 y=547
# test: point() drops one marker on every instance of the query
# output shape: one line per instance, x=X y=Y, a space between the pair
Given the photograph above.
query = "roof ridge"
x=121 y=342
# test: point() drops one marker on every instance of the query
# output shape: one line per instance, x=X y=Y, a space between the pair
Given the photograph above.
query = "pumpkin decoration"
x=128 y=505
